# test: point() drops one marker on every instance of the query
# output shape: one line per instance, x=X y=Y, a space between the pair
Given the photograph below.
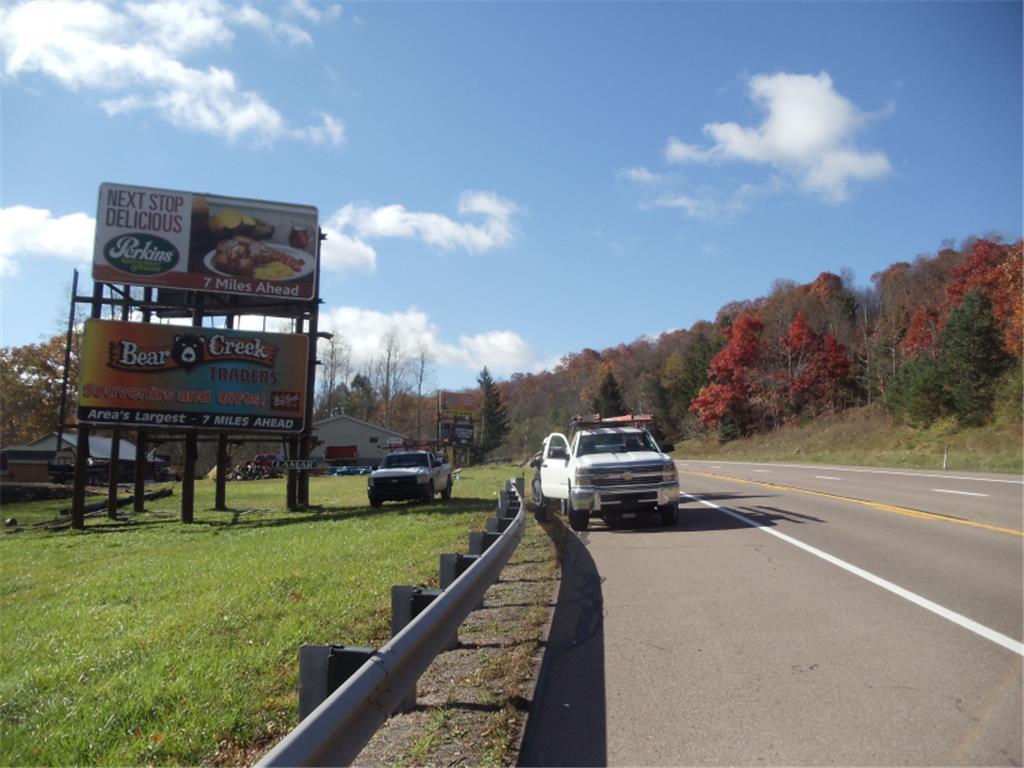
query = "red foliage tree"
x=923 y=332
x=731 y=381
x=818 y=367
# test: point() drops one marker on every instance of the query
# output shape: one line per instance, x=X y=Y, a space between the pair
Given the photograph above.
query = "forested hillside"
x=938 y=337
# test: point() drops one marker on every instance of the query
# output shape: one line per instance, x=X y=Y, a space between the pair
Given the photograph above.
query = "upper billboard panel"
x=201 y=242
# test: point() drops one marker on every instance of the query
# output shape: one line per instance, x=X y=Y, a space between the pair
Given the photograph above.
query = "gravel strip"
x=473 y=701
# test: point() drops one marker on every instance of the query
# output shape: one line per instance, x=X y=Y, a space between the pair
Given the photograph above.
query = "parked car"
x=342 y=471
x=410 y=475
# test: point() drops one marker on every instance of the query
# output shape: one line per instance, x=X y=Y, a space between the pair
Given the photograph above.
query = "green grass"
x=145 y=641
x=867 y=437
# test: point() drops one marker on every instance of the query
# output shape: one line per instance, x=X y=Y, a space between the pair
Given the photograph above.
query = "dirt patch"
x=15 y=493
x=473 y=701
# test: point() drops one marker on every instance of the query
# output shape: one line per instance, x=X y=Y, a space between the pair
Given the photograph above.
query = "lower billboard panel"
x=183 y=377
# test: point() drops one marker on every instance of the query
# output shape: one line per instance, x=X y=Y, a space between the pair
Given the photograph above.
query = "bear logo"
x=187 y=350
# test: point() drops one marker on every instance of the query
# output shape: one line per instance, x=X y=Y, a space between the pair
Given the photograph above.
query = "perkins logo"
x=140 y=254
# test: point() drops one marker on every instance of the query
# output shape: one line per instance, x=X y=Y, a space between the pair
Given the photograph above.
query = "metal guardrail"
x=337 y=730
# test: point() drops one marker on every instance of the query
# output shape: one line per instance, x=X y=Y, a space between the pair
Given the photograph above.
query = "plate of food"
x=242 y=256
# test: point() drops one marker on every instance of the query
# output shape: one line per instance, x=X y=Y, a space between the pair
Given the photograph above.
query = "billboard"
x=202 y=242
x=184 y=377
x=457 y=403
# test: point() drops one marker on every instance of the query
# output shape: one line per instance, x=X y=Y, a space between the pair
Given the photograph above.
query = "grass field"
x=145 y=641
x=867 y=437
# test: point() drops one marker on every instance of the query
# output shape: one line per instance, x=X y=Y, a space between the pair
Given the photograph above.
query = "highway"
x=796 y=615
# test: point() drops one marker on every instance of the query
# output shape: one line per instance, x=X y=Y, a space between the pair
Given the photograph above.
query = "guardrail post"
x=322 y=669
x=454 y=565
x=406 y=604
x=497 y=524
x=480 y=541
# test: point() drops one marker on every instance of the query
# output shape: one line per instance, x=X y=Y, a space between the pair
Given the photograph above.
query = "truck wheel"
x=447 y=492
x=428 y=496
x=540 y=504
x=579 y=519
x=375 y=502
x=669 y=514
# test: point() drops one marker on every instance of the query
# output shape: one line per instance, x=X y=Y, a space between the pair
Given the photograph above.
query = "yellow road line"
x=874 y=505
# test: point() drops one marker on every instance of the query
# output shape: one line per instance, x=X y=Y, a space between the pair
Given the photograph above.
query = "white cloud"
x=503 y=352
x=135 y=57
x=696 y=207
x=26 y=231
x=640 y=175
x=314 y=13
x=808 y=132
x=495 y=231
x=341 y=253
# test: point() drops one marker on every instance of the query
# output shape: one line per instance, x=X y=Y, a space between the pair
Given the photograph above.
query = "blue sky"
x=489 y=174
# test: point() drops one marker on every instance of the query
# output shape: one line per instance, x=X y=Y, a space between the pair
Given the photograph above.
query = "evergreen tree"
x=916 y=391
x=971 y=358
x=362 y=400
x=609 y=400
x=494 y=423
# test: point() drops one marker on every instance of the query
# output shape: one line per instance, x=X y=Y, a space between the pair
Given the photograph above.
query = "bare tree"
x=423 y=370
x=390 y=373
x=336 y=356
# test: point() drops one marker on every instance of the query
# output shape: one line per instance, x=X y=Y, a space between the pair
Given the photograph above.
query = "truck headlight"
x=583 y=476
x=369 y=481
x=422 y=476
x=669 y=473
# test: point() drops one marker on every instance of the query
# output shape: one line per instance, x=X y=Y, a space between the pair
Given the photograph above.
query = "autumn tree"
x=727 y=397
x=31 y=388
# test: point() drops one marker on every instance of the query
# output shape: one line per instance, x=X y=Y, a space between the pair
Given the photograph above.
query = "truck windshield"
x=615 y=442
x=398 y=460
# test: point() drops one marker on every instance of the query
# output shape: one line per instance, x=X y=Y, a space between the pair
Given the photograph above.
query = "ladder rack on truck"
x=595 y=421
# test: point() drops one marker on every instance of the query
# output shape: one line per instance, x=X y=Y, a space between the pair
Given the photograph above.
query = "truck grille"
x=395 y=482
x=627 y=476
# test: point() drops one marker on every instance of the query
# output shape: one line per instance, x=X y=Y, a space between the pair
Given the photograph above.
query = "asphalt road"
x=794 y=616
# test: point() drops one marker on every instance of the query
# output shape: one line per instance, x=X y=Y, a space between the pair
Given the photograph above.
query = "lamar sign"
x=147 y=375
x=205 y=242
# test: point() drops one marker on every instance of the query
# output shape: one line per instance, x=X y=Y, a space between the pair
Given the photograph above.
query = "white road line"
x=716 y=466
x=959 y=493
x=979 y=629
x=827 y=477
x=894 y=472
x=766 y=471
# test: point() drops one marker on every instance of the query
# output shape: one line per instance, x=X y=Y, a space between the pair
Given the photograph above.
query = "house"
x=30 y=463
x=345 y=440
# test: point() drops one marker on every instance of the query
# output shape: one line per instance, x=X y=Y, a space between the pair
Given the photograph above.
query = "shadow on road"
x=566 y=725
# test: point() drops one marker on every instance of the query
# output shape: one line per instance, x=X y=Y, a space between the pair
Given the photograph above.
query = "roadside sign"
x=296 y=464
x=185 y=377
x=202 y=242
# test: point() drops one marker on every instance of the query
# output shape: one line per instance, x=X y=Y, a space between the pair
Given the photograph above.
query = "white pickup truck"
x=410 y=475
x=612 y=469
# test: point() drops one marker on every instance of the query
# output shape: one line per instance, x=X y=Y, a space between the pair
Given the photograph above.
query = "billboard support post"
x=220 y=492
x=82 y=446
x=188 y=478
x=112 y=472
x=139 y=502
